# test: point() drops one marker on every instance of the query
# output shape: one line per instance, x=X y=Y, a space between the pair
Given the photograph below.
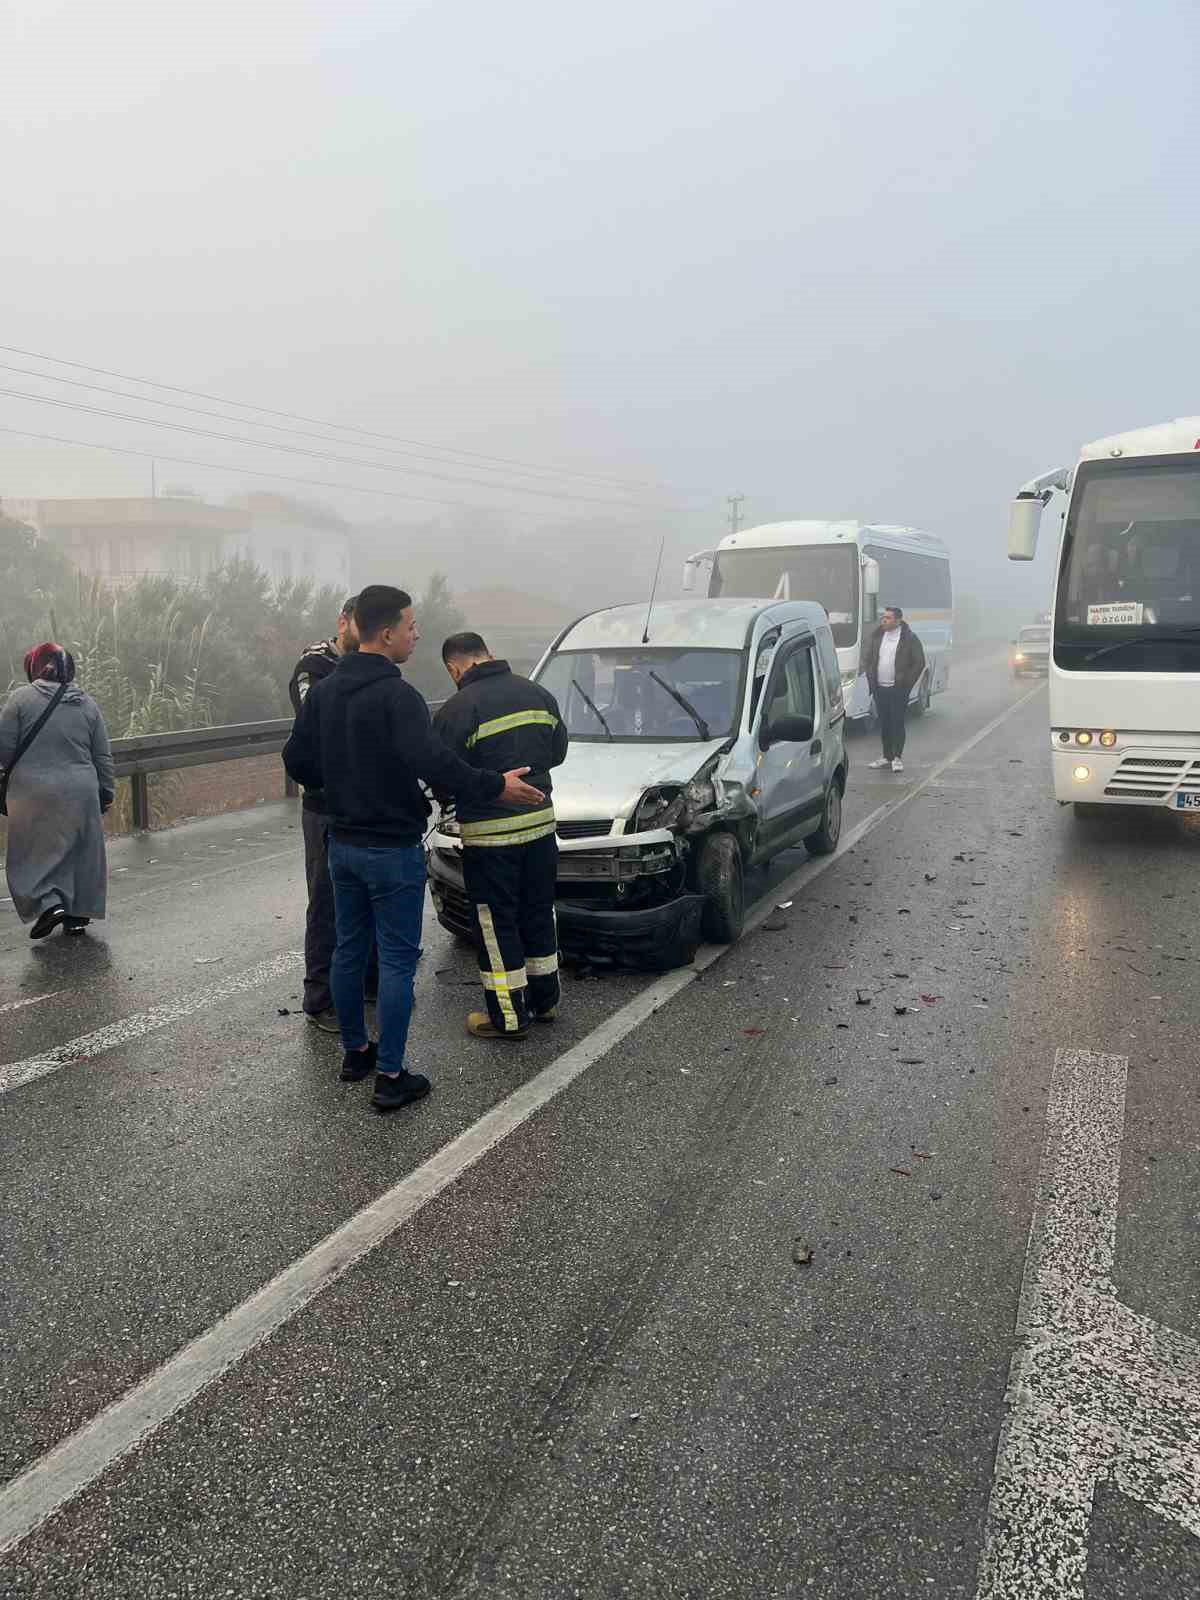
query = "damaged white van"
x=705 y=738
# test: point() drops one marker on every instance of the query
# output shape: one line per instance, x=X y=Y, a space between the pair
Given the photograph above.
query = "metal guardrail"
x=137 y=758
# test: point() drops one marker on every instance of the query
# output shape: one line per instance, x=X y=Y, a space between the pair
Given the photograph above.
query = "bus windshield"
x=824 y=573
x=1129 y=581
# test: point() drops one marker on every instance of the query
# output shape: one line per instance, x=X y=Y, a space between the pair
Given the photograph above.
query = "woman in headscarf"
x=55 y=862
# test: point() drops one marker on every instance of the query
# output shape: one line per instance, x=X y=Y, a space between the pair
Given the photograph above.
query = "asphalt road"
x=585 y=1354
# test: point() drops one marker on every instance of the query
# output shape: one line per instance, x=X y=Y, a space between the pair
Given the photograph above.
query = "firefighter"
x=510 y=862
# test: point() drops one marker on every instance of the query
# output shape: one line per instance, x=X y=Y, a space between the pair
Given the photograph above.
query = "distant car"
x=1030 y=654
x=697 y=753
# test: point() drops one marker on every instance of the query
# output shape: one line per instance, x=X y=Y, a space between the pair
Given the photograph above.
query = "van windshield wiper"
x=591 y=704
x=1146 y=638
x=684 y=702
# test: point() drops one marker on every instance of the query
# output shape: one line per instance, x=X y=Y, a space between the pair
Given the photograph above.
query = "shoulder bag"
x=24 y=745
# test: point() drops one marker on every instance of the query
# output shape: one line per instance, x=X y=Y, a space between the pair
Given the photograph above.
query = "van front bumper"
x=640 y=934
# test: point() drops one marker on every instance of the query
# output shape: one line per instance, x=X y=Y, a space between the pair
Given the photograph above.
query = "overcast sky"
x=882 y=260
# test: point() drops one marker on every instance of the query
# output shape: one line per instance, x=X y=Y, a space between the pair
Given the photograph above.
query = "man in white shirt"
x=894 y=662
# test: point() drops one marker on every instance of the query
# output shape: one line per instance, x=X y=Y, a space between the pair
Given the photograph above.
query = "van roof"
x=701 y=624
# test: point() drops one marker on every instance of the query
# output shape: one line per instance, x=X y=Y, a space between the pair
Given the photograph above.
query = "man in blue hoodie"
x=364 y=736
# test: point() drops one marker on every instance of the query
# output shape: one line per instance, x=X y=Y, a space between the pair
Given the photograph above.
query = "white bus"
x=852 y=569
x=1125 y=640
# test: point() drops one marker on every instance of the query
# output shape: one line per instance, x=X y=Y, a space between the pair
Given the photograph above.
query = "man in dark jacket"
x=893 y=662
x=320 y=932
x=364 y=736
x=510 y=863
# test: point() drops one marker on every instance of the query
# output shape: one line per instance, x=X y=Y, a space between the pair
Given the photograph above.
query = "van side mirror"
x=1024 y=520
x=785 y=730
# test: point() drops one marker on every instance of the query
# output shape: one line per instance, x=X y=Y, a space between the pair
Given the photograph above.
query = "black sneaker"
x=402 y=1090
x=359 y=1064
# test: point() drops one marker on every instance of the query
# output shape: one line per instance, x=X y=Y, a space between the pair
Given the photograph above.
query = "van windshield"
x=644 y=694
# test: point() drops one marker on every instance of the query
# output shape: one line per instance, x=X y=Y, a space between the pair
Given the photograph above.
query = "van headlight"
x=659 y=808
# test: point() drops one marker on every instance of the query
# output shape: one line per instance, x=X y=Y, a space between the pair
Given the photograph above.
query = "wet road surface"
x=588 y=1353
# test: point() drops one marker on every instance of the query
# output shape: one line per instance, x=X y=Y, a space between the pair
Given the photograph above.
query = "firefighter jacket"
x=502 y=721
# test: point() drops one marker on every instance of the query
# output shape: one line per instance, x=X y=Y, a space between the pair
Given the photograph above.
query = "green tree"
x=36 y=583
x=437 y=617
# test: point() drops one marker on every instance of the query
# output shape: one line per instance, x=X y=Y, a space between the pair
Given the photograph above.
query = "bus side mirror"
x=695 y=567
x=870 y=583
x=1024 y=520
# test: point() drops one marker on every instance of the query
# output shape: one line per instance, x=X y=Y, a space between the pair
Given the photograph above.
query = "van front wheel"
x=719 y=880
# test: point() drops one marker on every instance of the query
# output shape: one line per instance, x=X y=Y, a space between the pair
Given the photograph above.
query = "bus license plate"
x=1187 y=802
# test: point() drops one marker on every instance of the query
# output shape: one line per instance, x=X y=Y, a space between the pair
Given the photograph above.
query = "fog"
x=885 y=261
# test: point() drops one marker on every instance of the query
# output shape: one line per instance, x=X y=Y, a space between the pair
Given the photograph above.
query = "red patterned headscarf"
x=49 y=663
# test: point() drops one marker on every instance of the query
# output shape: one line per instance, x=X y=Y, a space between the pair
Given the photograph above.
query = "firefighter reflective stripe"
x=508 y=981
x=497 y=827
x=541 y=966
x=527 y=837
x=516 y=719
x=499 y=977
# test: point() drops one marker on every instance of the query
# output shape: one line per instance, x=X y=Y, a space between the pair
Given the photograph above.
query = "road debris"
x=901 y=1172
x=283 y=1011
x=931 y=877
x=862 y=998
x=931 y=999
x=753 y=1033
x=902 y=1011
x=912 y=1061
x=802 y=1254
x=207 y=961
x=831 y=1080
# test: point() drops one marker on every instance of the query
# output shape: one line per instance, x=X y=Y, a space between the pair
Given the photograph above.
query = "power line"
x=292 y=416
x=279 y=427
x=326 y=455
x=255 y=472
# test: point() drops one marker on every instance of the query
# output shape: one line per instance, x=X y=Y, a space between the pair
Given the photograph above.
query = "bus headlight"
x=1082 y=774
x=1108 y=739
x=1083 y=738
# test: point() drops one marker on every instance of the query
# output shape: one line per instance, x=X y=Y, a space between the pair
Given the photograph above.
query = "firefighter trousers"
x=512 y=890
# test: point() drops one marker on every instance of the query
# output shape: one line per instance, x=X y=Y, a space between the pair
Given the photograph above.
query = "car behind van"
x=703 y=741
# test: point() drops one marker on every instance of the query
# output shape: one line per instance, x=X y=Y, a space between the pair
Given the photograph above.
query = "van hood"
x=608 y=780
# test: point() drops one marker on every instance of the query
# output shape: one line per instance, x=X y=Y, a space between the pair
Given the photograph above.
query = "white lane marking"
x=88 y=1045
x=66 y=1470
x=1097 y=1393
x=33 y=1000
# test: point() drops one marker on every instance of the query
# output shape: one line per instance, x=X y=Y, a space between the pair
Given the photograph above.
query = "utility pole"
x=153 y=481
x=734 y=502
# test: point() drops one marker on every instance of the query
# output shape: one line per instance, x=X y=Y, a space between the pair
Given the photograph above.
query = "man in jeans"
x=893 y=662
x=364 y=735
x=320 y=934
